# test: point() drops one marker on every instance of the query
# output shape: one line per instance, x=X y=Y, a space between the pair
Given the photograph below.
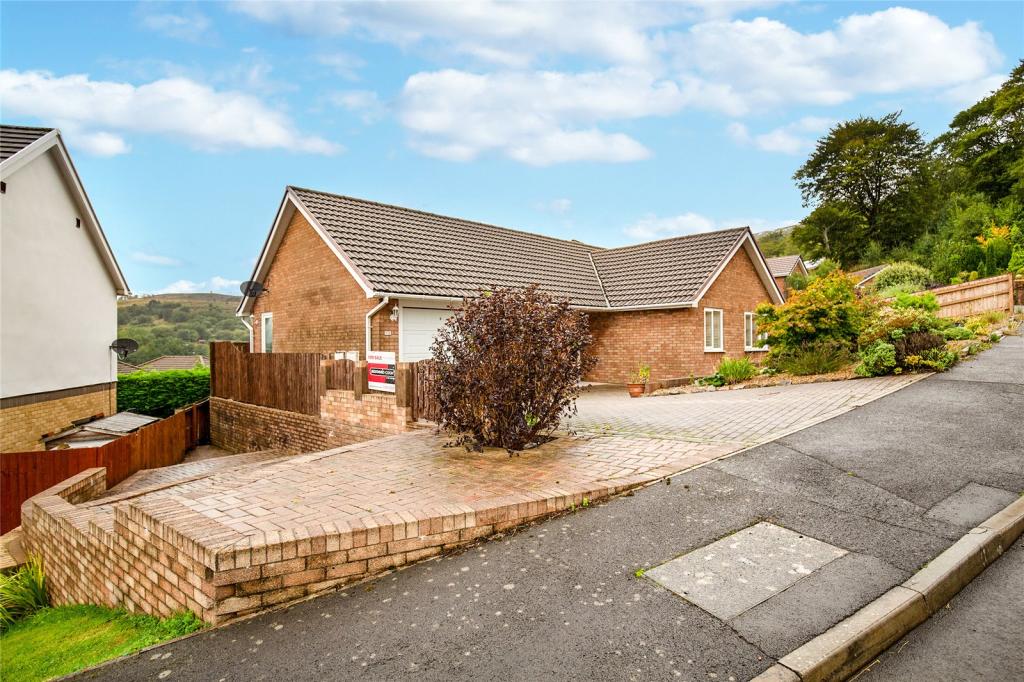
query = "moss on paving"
x=58 y=641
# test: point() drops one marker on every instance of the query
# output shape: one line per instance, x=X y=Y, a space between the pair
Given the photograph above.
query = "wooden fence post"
x=403 y=385
x=360 y=385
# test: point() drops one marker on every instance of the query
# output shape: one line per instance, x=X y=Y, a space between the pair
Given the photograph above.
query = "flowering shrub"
x=508 y=364
x=828 y=309
x=903 y=338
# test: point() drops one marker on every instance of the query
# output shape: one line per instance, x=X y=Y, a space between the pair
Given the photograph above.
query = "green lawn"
x=57 y=641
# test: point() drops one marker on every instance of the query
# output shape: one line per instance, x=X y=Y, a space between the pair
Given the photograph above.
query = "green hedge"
x=159 y=393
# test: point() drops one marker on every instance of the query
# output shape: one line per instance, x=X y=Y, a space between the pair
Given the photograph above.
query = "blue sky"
x=606 y=122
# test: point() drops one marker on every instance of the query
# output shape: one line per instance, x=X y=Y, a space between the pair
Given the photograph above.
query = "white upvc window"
x=714 y=338
x=752 y=341
x=267 y=332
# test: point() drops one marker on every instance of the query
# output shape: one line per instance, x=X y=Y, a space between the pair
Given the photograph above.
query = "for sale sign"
x=380 y=371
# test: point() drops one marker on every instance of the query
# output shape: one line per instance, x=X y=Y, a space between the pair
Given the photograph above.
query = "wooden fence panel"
x=339 y=374
x=285 y=381
x=24 y=474
x=974 y=298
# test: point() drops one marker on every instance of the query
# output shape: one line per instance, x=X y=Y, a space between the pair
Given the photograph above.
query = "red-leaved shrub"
x=508 y=365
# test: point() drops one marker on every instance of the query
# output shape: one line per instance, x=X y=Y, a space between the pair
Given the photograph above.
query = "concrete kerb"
x=841 y=651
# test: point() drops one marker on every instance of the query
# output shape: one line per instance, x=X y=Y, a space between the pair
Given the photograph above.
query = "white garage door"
x=419 y=326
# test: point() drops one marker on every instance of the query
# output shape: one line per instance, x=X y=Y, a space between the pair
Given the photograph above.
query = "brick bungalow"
x=784 y=266
x=341 y=275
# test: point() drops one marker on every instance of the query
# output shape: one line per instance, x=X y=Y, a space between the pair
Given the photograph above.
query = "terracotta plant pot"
x=636 y=390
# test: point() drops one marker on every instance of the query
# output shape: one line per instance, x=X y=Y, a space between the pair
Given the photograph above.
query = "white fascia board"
x=289 y=204
x=757 y=258
x=27 y=154
x=53 y=141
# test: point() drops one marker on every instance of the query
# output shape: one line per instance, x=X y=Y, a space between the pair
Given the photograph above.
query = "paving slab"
x=971 y=505
x=813 y=604
x=742 y=570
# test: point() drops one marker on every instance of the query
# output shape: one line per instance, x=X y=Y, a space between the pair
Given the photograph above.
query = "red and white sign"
x=380 y=371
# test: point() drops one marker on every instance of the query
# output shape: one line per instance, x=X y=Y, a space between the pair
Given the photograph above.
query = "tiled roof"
x=15 y=138
x=405 y=251
x=126 y=367
x=165 y=362
x=783 y=266
x=666 y=271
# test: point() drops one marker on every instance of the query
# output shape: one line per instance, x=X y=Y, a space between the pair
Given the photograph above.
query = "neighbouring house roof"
x=15 y=138
x=99 y=431
x=862 y=277
x=784 y=266
x=126 y=367
x=166 y=362
x=20 y=145
x=395 y=251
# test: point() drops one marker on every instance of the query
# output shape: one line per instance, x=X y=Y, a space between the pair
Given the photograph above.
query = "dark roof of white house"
x=402 y=251
x=15 y=138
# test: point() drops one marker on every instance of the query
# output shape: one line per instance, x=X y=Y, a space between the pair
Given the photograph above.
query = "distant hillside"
x=178 y=324
x=778 y=242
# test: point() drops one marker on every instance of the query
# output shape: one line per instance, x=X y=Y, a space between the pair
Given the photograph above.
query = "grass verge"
x=58 y=641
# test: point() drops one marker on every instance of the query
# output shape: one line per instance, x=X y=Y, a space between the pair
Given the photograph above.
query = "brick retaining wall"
x=146 y=551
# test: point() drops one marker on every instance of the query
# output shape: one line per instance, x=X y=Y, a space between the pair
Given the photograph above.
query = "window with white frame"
x=714 y=341
x=267 y=332
x=751 y=339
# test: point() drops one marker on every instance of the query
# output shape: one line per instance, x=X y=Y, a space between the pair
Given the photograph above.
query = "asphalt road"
x=894 y=483
x=978 y=636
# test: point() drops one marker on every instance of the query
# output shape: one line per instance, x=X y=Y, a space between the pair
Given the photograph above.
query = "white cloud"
x=794 y=138
x=100 y=143
x=182 y=286
x=738 y=66
x=216 y=284
x=362 y=102
x=539 y=118
x=155 y=259
x=219 y=283
x=190 y=26
x=511 y=34
x=559 y=206
x=179 y=107
x=966 y=94
x=654 y=227
x=345 y=65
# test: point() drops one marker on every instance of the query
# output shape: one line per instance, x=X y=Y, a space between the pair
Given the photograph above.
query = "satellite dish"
x=252 y=288
x=124 y=346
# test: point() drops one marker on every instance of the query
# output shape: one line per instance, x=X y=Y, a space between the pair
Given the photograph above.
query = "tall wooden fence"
x=974 y=298
x=24 y=474
x=285 y=381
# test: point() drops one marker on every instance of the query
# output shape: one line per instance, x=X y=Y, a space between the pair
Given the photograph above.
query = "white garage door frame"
x=404 y=305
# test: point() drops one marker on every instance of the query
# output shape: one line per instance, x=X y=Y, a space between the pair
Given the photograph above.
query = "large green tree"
x=870 y=166
x=987 y=141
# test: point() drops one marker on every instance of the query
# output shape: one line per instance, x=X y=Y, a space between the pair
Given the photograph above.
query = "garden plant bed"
x=763 y=381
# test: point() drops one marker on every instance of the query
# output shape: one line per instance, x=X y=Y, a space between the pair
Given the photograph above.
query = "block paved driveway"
x=737 y=417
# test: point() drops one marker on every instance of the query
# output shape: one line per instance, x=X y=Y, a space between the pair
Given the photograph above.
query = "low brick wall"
x=146 y=551
x=372 y=411
x=242 y=427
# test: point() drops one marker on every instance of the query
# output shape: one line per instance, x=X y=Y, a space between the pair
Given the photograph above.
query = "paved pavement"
x=978 y=636
x=892 y=484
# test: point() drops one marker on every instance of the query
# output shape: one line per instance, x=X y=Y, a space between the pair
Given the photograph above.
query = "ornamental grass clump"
x=22 y=592
x=508 y=365
x=735 y=370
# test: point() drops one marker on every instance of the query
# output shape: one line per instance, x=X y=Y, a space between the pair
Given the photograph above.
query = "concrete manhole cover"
x=742 y=570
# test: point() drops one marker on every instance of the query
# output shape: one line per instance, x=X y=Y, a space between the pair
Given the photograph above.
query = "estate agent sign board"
x=380 y=371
